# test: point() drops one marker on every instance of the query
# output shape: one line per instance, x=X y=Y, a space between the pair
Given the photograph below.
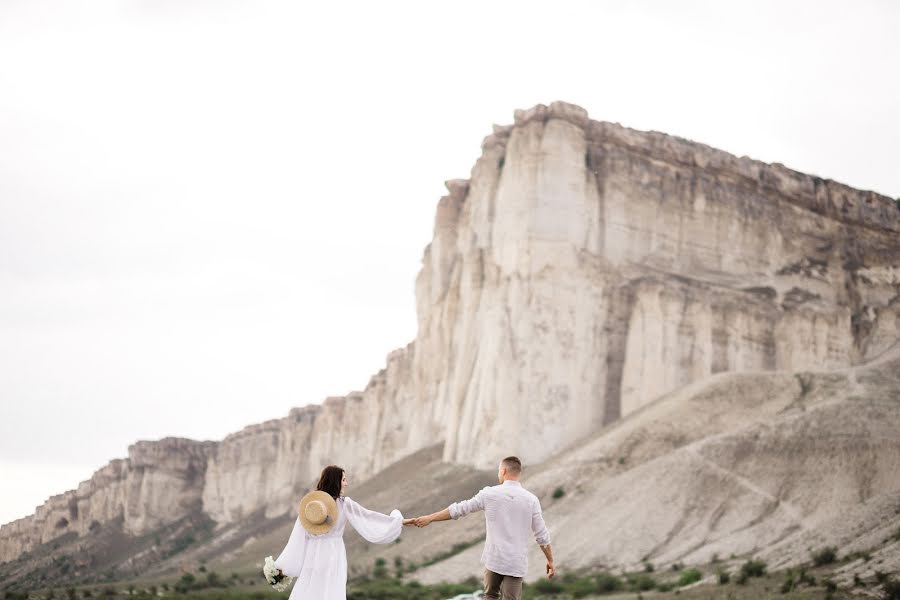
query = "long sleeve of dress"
x=373 y=526
x=291 y=558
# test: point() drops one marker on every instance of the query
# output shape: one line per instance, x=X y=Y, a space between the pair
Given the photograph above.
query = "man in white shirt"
x=512 y=515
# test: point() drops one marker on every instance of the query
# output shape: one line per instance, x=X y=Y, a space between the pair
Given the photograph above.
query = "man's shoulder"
x=530 y=495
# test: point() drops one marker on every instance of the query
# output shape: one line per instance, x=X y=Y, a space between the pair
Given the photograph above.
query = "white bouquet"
x=278 y=580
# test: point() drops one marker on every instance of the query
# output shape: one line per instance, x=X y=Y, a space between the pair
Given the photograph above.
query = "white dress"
x=319 y=562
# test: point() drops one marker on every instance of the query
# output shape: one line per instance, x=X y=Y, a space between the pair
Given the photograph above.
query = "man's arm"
x=542 y=536
x=454 y=511
x=443 y=515
x=548 y=552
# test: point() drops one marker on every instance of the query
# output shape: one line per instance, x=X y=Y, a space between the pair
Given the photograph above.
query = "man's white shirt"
x=513 y=516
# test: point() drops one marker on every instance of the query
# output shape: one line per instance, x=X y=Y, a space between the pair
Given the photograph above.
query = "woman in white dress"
x=318 y=559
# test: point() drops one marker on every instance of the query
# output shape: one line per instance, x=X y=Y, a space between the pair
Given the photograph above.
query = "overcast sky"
x=212 y=211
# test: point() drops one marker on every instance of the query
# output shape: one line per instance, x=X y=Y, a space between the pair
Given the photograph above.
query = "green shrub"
x=641 y=583
x=608 y=583
x=689 y=576
x=825 y=556
x=753 y=568
x=581 y=588
x=380 y=571
x=558 y=493
x=724 y=577
x=548 y=586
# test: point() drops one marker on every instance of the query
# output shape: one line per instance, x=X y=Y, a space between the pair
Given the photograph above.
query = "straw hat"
x=318 y=512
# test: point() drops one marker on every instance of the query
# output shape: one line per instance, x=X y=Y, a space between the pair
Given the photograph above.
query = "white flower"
x=278 y=582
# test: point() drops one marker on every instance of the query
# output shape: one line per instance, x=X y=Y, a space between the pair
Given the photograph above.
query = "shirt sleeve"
x=466 y=507
x=538 y=527
x=290 y=561
x=374 y=526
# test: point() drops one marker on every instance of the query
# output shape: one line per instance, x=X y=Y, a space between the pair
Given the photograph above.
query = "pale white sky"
x=212 y=211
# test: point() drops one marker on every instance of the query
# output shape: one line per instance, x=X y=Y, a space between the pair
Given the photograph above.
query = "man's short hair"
x=512 y=464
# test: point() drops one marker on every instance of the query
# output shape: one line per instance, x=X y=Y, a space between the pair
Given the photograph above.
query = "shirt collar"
x=511 y=482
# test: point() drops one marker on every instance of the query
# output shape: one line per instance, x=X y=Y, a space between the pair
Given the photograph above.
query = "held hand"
x=409 y=521
x=422 y=521
x=551 y=570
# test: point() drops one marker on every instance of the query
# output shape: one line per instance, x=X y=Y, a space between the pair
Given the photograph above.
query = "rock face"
x=582 y=272
x=586 y=269
x=158 y=483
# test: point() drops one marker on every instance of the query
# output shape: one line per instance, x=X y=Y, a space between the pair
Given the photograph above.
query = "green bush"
x=380 y=571
x=825 y=556
x=581 y=588
x=641 y=583
x=753 y=568
x=689 y=576
x=607 y=583
x=724 y=577
x=558 y=493
x=548 y=586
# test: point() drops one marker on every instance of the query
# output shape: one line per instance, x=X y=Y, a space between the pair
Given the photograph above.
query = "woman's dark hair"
x=330 y=481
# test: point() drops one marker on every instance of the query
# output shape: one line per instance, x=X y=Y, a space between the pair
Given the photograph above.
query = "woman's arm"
x=373 y=526
x=290 y=561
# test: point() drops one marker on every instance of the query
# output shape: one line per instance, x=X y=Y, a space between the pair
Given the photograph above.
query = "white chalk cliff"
x=584 y=271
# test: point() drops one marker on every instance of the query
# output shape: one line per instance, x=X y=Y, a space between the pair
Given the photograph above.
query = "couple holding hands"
x=315 y=552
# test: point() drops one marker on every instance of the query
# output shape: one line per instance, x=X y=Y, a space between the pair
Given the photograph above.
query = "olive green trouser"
x=494 y=583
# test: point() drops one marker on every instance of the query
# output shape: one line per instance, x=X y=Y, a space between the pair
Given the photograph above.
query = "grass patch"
x=689 y=576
